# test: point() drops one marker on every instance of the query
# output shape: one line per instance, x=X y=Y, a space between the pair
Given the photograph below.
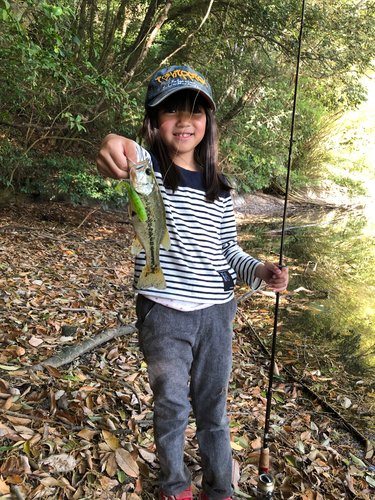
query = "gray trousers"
x=179 y=346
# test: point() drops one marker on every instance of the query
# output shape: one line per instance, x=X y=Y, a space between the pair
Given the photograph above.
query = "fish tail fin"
x=151 y=277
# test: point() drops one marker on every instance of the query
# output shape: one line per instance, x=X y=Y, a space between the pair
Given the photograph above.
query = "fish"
x=147 y=212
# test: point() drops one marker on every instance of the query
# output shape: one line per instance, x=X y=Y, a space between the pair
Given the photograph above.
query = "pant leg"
x=209 y=384
x=165 y=338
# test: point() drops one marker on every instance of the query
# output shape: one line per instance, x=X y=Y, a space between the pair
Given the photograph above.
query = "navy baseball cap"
x=167 y=81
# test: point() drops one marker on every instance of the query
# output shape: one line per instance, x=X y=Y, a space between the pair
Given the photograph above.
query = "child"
x=185 y=331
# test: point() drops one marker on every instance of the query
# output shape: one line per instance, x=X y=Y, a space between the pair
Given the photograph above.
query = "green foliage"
x=53 y=177
x=79 y=180
x=354 y=187
x=77 y=71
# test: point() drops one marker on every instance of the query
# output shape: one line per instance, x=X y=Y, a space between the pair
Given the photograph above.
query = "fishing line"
x=266 y=482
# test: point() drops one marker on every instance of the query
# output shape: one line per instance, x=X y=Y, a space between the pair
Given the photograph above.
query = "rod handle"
x=264 y=460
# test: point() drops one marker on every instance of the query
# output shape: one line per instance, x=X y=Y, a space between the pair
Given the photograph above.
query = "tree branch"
x=31 y=125
x=69 y=354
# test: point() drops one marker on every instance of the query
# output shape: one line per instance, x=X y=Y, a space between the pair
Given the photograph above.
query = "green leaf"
x=6 y=448
x=121 y=476
x=300 y=446
x=122 y=414
x=234 y=424
x=314 y=427
x=71 y=445
x=357 y=461
x=276 y=428
x=9 y=368
x=241 y=441
x=290 y=459
x=242 y=494
x=72 y=377
x=26 y=406
x=370 y=480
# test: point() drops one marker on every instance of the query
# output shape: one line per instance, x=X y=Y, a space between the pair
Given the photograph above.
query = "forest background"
x=75 y=70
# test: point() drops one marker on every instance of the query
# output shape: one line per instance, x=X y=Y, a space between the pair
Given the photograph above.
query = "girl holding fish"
x=185 y=319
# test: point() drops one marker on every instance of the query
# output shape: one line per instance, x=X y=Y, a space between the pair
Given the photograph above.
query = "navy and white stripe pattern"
x=203 y=244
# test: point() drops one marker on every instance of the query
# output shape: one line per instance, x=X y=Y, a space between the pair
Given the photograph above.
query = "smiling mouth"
x=183 y=136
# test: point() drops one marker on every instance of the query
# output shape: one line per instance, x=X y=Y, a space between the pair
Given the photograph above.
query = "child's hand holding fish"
x=113 y=156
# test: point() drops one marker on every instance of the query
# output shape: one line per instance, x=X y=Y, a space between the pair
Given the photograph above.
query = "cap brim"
x=160 y=98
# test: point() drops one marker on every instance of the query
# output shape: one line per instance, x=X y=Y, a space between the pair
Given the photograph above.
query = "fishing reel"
x=266 y=486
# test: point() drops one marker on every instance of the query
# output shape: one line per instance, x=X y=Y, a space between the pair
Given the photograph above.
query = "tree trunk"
x=111 y=35
x=137 y=48
x=91 y=30
x=81 y=28
x=150 y=41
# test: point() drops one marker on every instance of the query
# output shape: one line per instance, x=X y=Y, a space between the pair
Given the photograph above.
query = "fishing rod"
x=266 y=482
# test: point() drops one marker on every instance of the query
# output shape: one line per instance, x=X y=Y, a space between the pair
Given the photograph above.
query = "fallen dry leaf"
x=4 y=487
x=86 y=434
x=61 y=463
x=111 y=466
x=18 y=420
x=111 y=440
x=35 y=341
x=107 y=483
x=126 y=462
x=54 y=372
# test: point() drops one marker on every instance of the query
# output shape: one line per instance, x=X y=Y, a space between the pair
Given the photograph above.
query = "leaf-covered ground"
x=84 y=430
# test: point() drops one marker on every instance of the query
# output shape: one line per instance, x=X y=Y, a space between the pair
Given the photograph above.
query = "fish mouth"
x=142 y=165
x=140 y=179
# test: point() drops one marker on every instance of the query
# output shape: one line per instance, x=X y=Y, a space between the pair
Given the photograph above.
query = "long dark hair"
x=205 y=153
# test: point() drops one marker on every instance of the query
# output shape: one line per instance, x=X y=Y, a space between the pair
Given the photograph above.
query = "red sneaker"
x=203 y=496
x=185 y=495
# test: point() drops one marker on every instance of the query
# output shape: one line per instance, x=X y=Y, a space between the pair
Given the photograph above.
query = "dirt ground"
x=258 y=204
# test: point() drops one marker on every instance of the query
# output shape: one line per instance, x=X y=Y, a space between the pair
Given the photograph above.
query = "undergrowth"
x=53 y=177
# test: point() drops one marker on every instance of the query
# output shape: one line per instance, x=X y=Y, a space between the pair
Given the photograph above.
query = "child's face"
x=182 y=130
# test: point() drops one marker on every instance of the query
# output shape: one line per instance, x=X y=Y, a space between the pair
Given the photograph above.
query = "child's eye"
x=197 y=109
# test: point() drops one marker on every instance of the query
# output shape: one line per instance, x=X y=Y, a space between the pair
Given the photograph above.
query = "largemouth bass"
x=146 y=209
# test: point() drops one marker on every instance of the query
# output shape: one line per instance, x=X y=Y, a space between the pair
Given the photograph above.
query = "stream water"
x=331 y=257
x=331 y=260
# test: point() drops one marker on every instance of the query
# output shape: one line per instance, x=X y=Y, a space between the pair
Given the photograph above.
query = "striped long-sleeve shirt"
x=204 y=259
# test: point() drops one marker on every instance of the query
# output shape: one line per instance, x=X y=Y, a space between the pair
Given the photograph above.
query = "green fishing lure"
x=134 y=199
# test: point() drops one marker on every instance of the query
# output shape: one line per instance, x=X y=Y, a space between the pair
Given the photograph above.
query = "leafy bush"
x=354 y=187
x=53 y=177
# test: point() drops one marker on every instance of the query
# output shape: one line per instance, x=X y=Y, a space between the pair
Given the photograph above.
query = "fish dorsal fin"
x=166 y=242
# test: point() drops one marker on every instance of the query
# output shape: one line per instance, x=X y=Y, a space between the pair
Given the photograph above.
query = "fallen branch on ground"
x=69 y=354
x=15 y=490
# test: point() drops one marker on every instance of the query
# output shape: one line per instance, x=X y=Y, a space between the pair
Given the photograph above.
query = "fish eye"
x=148 y=171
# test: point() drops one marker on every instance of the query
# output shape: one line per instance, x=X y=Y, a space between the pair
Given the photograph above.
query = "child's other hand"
x=113 y=154
x=276 y=278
